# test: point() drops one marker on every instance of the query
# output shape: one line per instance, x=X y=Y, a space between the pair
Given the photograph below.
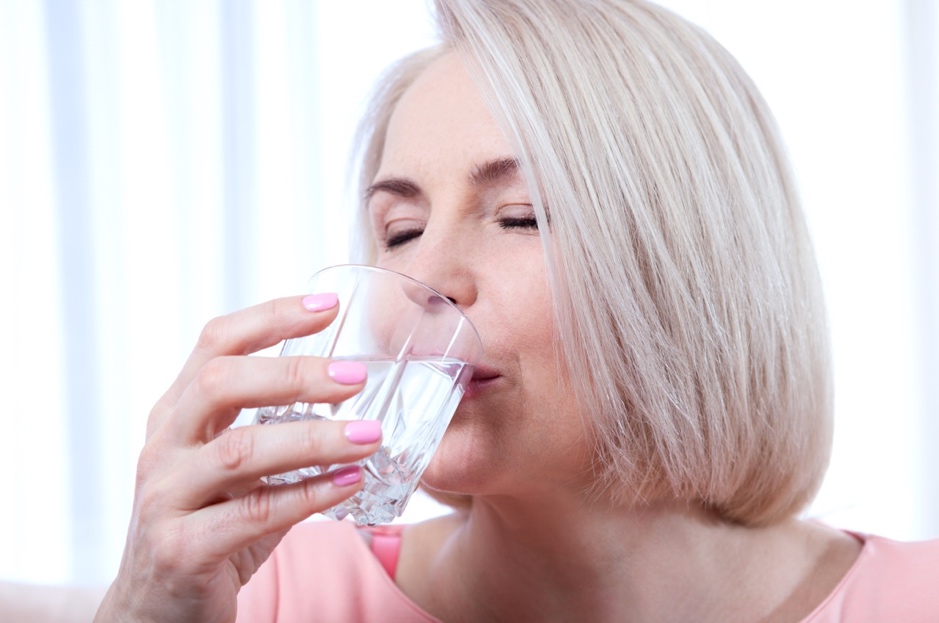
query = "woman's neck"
x=507 y=559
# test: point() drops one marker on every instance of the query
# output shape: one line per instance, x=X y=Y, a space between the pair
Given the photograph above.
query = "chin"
x=461 y=466
x=456 y=501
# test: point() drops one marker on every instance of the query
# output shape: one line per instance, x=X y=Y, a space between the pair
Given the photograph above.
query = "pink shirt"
x=324 y=571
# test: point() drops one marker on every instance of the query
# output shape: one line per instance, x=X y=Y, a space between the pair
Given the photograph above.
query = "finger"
x=225 y=385
x=248 y=331
x=236 y=524
x=237 y=459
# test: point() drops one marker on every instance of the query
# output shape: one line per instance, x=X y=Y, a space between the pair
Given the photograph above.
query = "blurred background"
x=166 y=161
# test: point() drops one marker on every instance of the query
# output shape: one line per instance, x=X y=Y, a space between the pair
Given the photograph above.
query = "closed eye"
x=519 y=223
x=402 y=237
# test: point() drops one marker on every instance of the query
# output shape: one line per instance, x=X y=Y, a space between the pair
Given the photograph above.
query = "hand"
x=203 y=521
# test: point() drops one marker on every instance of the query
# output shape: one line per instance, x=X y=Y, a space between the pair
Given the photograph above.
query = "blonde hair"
x=686 y=292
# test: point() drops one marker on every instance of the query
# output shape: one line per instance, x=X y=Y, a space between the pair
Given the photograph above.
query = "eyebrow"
x=396 y=186
x=494 y=171
x=484 y=174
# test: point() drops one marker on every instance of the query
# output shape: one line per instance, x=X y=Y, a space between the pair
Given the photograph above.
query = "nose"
x=438 y=299
x=444 y=261
x=429 y=301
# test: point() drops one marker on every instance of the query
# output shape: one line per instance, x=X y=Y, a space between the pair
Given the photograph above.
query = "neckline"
x=864 y=539
x=376 y=567
x=847 y=578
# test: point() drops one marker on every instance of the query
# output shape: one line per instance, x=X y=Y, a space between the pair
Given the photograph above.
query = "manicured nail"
x=363 y=431
x=320 y=302
x=347 y=372
x=347 y=476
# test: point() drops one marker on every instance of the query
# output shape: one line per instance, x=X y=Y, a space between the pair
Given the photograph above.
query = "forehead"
x=442 y=119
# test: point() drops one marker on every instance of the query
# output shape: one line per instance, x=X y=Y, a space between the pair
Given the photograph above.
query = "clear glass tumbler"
x=420 y=350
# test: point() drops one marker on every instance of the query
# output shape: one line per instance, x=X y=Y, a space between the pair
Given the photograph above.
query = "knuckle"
x=215 y=333
x=151 y=500
x=280 y=314
x=257 y=507
x=277 y=311
x=297 y=374
x=310 y=494
x=146 y=463
x=310 y=439
x=152 y=461
x=234 y=448
x=213 y=376
x=156 y=417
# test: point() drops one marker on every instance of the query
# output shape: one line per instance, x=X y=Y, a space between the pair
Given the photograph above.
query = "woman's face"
x=449 y=208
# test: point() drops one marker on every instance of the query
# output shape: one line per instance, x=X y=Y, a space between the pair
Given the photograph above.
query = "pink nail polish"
x=347 y=372
x=347 y=476
x=363 y=431
x=320 y=302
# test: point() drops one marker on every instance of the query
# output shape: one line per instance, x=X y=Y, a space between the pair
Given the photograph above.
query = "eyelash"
x=402 y=237
x=519 y=223
x=508 y=223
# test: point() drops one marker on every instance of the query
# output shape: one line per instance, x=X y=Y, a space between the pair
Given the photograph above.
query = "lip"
x=483 y=379
x=482 y=373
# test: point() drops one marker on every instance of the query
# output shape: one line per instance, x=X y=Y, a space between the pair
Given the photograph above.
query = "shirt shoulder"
x=324 y=571
x=890 y=581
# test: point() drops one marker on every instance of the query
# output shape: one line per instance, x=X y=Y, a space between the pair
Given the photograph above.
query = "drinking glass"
x=420 y=351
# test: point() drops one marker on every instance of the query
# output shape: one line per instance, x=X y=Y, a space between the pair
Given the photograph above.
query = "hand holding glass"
x=420 y=351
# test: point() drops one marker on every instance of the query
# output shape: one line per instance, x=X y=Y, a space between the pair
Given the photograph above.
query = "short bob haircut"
x=685 y=287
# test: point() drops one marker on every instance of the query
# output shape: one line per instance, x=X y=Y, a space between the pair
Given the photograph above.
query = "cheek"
x=535 y=313
x=540 y=355
x=533 y=337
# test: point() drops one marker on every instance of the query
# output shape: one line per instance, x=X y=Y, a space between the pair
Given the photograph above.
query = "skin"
x=202 y=520
x=532 y=546
x=474 y=238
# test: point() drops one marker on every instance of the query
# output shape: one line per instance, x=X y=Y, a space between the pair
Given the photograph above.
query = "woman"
x=601 y=189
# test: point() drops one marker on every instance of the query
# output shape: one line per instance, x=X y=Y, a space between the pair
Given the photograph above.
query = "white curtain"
x=166 y=161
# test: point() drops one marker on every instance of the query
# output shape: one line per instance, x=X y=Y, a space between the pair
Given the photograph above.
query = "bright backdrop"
x=166 y=161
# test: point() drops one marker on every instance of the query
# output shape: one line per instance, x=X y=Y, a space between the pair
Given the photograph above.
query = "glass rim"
x=421 y=284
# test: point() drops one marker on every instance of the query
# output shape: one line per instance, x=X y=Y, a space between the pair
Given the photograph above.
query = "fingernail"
x=347 y=372
x=363 y=431
x=320 y=302
x=347 y=476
